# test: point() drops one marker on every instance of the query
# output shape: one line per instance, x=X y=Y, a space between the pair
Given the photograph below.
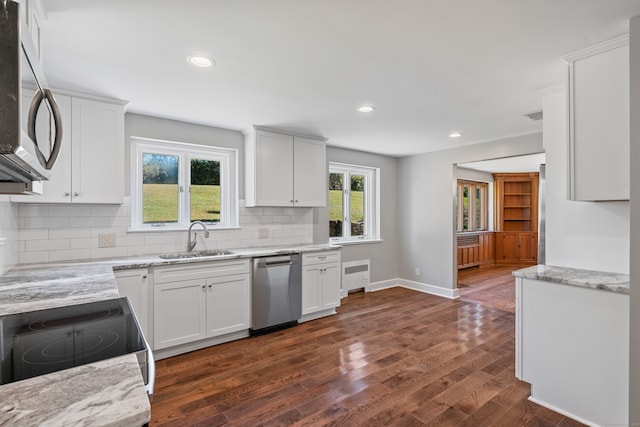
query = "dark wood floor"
x=393 y=357
x=490 y=286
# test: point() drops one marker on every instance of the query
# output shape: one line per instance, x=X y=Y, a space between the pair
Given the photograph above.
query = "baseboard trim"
x=416 y=286
x=563 y=412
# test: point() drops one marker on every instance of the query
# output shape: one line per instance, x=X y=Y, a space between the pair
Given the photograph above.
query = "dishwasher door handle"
x=275 y=264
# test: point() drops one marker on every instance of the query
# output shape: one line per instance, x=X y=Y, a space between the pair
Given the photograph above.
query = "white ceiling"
x=529 y=163
x=428 y=66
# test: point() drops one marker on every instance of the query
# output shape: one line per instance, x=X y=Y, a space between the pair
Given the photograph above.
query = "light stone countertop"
x=611 y=282
x=106 y=393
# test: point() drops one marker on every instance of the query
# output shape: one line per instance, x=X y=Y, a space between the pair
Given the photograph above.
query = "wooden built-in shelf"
x=516 y=217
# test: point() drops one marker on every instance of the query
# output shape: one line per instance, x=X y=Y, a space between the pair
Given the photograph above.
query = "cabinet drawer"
x=200 y=270
x=320 y=257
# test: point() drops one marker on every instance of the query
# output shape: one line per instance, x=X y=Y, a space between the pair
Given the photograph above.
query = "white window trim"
x=372 y=204
x=228 y=157
x=484 y=206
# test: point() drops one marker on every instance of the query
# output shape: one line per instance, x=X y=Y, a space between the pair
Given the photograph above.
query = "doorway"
x=487 y=252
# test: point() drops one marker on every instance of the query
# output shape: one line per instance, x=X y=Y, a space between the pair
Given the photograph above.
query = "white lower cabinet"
x=227 y=304
x=320 y=282
x=134 y=284
x=180 y=312
x=200 y=300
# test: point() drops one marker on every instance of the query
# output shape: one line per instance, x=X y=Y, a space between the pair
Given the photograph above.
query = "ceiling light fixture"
x=366 y=109
x=455 y=134
x=200 y=61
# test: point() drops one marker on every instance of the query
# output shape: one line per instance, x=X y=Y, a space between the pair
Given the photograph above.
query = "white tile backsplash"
x=9 y=239
x=48 y=233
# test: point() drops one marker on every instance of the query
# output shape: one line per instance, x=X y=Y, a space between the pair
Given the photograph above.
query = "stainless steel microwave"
x=30 y=122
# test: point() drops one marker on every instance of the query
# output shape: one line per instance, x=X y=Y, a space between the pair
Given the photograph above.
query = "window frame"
x=484 y=206
x=371 y=204
x=228 y=158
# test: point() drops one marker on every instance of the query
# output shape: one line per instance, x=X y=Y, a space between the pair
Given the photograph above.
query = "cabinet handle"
x=291 y=201
x=75 y=194
x=296 y=201
x=203 y=286
x=209 y=286
x=66 y=194
x=144 y=277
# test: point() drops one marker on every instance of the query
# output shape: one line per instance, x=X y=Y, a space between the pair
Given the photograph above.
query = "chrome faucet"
x=192 y=244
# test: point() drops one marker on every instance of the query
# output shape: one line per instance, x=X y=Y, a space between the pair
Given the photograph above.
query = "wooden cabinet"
x=516 y=214
x=599 y=167
x=90 y=167
x=200 y=300
x=516 y=248
x=320 y=282
x=475 y=249
x=284 y=169
x=134 y=284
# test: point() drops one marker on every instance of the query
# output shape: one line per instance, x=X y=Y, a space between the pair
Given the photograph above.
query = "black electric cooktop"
x=44 y=341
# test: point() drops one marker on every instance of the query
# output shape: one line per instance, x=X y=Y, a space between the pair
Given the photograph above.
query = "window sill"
x=178 y=229
x=354 y=242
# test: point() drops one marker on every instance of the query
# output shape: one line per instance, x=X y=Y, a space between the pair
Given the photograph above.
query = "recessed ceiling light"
x=201 y=61
x=366 y=109
x=455 y=134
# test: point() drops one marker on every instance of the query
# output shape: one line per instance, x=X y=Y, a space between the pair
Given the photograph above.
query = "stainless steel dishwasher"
x=276 y=300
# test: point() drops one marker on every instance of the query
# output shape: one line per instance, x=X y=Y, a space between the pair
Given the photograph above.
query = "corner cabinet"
x=90 y=167
x=516 y=214
x=195 y=301
x=320 y=284
x=284 y=169
x=598 y=91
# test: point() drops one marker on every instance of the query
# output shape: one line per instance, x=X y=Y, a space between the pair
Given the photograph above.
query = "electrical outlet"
x=417 y=271
x=107 y=240
x=263 y=233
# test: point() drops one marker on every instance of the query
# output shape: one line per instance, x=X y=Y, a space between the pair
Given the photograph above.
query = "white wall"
x=383 y=255
x=8 y=234
x=426 y=219
x=588 y=235
x=634 y=344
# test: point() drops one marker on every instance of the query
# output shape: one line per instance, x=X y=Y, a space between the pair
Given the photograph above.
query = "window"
x=354 y=210
x=472 y=205
x=175 y=184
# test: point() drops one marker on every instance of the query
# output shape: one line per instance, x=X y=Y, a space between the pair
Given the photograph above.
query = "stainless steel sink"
x=196 y=254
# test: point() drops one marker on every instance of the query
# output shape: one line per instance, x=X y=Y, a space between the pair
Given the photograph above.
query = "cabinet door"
x=57 y=189
x=179 y=313
x=599 y=126
x=311 y=289
x=274 y=169
x=528 y=246
x=507 y=247
x=134 y=284
x=330 y=286
x=98 y=152
x=309 y=172
x=227 y=304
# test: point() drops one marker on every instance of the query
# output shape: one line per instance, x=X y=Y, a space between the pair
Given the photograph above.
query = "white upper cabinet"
x=599 y=122
x=285 y=169
x=90 y=166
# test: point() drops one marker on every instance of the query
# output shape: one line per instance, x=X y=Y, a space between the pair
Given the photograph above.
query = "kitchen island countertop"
x=606 y=281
